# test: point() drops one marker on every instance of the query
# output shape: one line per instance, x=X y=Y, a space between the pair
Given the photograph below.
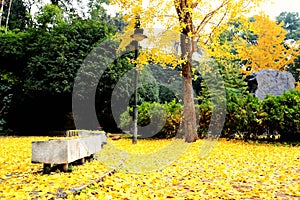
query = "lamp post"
x=137 y=36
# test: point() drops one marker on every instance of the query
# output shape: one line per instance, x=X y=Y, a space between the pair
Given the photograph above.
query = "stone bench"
x=67 y=150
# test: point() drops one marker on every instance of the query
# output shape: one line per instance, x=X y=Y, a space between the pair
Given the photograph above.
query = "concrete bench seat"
x=67 y=150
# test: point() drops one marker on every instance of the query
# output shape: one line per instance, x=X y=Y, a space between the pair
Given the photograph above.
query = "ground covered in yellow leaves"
x=231 y=170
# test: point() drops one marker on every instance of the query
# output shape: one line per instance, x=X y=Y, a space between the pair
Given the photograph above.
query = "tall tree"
x=7 y=87
x=59 y=48
x=291 y=22
x=292 y=25
x=197 y=22
x=270 y=50
x=13 y=58
x=259 y=42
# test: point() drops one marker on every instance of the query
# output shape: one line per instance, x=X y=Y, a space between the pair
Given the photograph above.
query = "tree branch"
x=211 y=33
x=209 y=16
x=194 y=5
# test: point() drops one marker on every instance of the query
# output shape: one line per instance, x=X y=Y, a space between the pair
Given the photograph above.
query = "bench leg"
x=65 y=167
x=90 y=158
x=81 y=161
x=93 y=157
x=47 y=168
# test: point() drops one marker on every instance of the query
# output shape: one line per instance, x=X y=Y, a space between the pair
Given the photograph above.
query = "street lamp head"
x=138 y=34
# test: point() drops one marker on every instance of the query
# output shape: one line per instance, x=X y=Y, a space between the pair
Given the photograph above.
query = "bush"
x=174 y=117
x=205 y=112
x=242 y=115
x=249 y=117
x=282 y=114
x=147 y=111
x=7 y=86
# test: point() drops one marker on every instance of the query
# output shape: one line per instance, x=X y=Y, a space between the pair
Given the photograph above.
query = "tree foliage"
x=57 y=53
x=44 y=59
x=7 y=86
x=258 y=43
x=270 y=50
x=49 y=16
x=291 y=22
x=292 y=25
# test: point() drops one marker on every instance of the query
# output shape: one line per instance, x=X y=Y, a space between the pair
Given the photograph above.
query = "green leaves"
x=58 y=53
x=50 y=15
x=171 y=112
x=7 y=84
x=249 y=116
x=246 y=115
x=282 y=114
x=291 y=24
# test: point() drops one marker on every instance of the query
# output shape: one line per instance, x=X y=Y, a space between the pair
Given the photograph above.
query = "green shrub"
x=242 y=115
x=7 y=86
x=147 y=111
x=282 y=114
x=249 y=117
x=173 y=122
x=204 y=115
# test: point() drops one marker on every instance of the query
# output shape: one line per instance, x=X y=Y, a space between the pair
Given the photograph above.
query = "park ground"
x=231 y=170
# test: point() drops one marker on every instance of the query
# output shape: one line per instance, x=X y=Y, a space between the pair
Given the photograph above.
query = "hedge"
x=246 y=116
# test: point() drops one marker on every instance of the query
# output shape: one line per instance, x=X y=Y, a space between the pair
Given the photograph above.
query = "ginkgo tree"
x=260 y=43
x=196 y=22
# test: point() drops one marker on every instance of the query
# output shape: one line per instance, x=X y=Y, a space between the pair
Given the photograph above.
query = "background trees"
x=13 y=59
x=41 y=62
x=292 y=25
x=257 y=43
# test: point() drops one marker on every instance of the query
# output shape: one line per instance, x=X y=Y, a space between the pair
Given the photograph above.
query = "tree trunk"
x=189 y=117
